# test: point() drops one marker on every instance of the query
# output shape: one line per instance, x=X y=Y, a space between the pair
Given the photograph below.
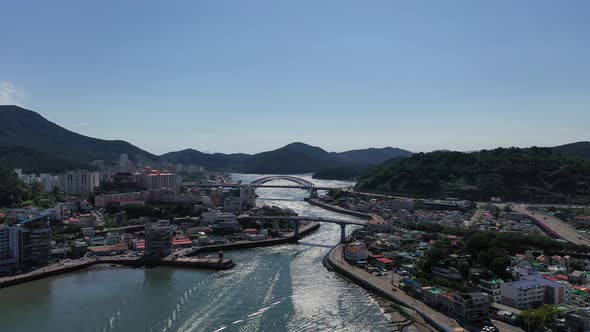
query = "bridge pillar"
x=313 y=193
x=342 y=233
x=296 y=230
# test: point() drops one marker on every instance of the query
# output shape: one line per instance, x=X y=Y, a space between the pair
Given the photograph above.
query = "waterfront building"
x=80 y=248
x=79 y=181
x=35 y=246
x=98 y=241
x=112 y=238
x=380 y=262
x=158 y=239
x=492 y=288
x=219 y=220
x=105 y=250
x=356 y=252
x=9 y=248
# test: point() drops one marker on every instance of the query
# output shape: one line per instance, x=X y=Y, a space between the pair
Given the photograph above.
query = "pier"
x=76 y=265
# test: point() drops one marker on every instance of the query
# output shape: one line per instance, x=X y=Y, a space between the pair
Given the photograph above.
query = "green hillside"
x=534 y=174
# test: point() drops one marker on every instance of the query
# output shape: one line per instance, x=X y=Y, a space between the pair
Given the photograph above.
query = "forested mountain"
x=372 y=156
x=26 y=135
x=533 y=174
x=578 y=149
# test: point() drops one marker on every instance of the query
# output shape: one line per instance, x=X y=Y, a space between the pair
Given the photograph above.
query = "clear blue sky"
x=248 y=76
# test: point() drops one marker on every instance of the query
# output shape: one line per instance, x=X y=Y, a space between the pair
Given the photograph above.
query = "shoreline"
x=52 y=271
x=290 y=238
x=195 y=263
x=333 y=264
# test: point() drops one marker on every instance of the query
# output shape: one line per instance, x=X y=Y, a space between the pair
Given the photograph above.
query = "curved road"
x=557 y=226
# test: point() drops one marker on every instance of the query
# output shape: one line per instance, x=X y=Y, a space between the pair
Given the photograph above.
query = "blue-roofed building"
x=531 y=291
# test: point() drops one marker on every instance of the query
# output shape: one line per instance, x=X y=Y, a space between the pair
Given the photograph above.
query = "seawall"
x=304 y=230
x=17 y=280
x=208 y=264
x=333 y=266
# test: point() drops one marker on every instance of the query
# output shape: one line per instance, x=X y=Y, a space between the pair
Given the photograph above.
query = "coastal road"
x=559 y=227
x=385 y=284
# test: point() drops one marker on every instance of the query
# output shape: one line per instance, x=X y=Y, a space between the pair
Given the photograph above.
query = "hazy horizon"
x=237 y=77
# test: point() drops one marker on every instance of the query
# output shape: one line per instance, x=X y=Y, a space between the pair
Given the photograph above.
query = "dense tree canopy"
x=534 y=174
x=12 y=190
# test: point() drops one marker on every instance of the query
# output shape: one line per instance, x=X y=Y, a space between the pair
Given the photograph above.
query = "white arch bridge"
x=293 y=182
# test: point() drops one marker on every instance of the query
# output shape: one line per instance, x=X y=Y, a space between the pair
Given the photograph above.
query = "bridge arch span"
x=298 y=181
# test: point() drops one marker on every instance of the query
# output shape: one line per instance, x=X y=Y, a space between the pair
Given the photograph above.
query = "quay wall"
x=254 y=244
x=338 y=209
x=17 y=280
x=209 y=264
x=333 y=266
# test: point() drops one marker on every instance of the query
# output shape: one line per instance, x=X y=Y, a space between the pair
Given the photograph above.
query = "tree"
x=543 y=316
x=12 y=190
x=507 y=208
x=434 y=255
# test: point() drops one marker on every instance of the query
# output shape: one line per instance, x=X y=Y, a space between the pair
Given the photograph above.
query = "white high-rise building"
x=48 y=181
x=124 y=162
x=79 y=181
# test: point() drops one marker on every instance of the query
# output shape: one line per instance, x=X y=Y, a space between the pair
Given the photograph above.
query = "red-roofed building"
x=382 y=262
x=181 y=243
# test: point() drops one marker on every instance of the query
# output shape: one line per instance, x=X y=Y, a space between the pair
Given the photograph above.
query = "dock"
x=76 y=265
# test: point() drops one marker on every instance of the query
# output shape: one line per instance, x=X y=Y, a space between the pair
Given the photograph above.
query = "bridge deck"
x=298 y=218
x=239 y=185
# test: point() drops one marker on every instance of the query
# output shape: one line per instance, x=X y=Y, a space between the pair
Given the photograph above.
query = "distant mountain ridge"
x=31 y=142
x=292 y=158
x=372 y=156
x=29 y=134
x=578 y=149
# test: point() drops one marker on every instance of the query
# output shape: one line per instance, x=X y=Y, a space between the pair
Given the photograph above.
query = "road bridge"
x=298 y=219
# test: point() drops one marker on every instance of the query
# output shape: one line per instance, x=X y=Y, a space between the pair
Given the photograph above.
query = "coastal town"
x=451 y=263
x=485 y=267
x=142 y=217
